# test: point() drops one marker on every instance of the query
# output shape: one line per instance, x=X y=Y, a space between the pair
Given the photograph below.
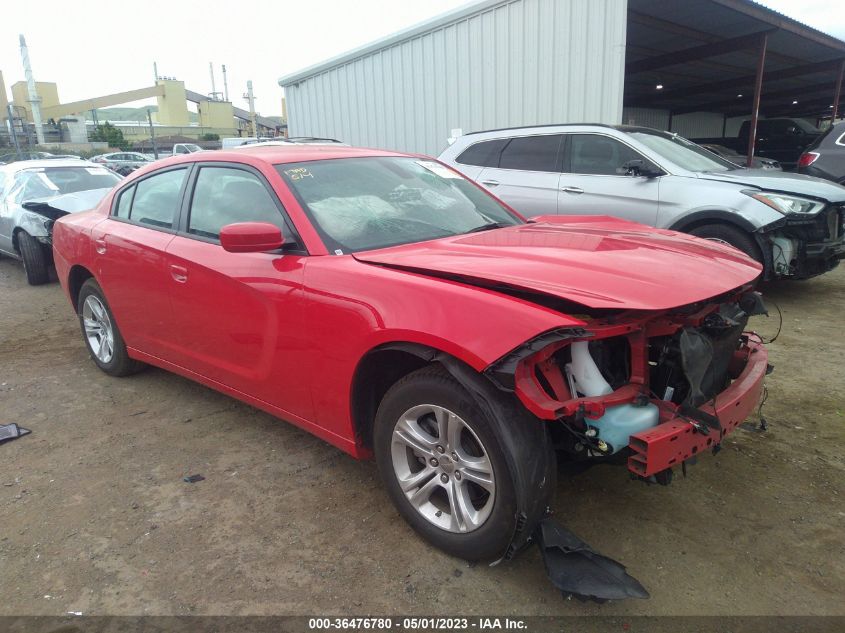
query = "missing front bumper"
x=679 y=438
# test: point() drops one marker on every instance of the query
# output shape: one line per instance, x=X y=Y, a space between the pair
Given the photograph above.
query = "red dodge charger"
x=390 y=306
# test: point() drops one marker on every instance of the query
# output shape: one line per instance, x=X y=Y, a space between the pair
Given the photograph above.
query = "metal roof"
x=704 y=53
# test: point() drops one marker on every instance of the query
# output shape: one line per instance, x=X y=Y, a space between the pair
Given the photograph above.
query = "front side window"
x=598 y=155
x=157 y=199
x=225 y=195
x=358 y=204
x=532 y=153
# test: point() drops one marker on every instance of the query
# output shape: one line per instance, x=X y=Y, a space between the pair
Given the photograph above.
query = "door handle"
x=100 y=246
x=179 y=273
x=572 y=189
x=490 y=183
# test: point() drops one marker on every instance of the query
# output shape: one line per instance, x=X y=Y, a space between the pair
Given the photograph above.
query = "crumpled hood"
x=57 y=206
x=782 y=181
x=596 y=261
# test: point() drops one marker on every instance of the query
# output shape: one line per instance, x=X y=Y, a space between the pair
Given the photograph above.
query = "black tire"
x=734 y=236
x=434 y=386
x=119 y=364
x=36 y=263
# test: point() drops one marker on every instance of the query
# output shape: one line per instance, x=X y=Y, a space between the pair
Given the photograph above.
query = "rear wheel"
x=732 y=236
x=102 y=337
x=35 y=259
x=443 y=466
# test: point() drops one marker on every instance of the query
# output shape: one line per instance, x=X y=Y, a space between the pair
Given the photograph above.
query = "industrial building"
x=698 y=67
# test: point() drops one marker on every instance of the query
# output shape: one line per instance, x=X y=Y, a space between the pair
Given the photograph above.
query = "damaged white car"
x=33 y=195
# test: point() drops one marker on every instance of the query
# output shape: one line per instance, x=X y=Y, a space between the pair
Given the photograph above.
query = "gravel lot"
x=96 y=518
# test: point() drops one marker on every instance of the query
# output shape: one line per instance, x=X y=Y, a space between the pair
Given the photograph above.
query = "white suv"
x=792 y=224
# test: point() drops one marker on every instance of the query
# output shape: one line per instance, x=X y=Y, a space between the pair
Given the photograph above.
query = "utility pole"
x=251 y=99
x=152 y=133
x=155 y=70
x=34 y=99
x=225 y=85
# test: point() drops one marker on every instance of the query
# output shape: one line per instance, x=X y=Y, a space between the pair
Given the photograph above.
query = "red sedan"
x=391 y=307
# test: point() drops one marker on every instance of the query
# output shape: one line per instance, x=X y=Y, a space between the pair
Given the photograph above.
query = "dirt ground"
x=95 y=517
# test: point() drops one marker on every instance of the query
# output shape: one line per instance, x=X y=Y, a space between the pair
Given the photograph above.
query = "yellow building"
x=47 y=91
x=215 y=114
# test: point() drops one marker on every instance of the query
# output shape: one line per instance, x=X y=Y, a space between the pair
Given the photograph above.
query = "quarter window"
x=532 y=153
x=124 y=203
x=225 y=195
x=483 y=154
x=157 y=198
x=596 y=154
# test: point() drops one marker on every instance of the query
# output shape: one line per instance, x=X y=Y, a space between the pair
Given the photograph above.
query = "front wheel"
x=732 y=236
x=35 y=260
x=443 y=466
x=102 y=337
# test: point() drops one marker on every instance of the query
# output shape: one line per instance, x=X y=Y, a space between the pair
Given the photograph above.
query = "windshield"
x=360 y=204
x=49 y=182
x=683 y=153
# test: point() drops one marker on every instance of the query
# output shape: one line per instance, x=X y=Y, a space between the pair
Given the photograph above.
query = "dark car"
x=825 y=158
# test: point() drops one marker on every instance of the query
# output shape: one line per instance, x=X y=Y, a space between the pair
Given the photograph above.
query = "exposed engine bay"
x=652 y=388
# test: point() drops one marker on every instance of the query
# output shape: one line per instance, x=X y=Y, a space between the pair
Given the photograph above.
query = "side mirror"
x=251 y=237
x=638 y=167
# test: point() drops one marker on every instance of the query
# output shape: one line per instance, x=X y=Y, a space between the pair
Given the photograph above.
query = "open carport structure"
x=697 y=67
x=699 y=64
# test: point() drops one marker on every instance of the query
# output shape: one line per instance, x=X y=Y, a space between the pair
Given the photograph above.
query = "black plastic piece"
x=579 y=571
x=12 y=432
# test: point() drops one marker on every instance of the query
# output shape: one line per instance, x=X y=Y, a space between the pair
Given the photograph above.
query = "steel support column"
x=837 y=93
x=758 y=87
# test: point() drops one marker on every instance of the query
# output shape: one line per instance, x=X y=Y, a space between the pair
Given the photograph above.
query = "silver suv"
x=792 y=224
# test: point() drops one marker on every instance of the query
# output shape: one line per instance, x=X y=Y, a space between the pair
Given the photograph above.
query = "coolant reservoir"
x=618 y=423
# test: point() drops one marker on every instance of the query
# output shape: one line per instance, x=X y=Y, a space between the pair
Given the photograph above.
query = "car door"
x=527 y=174
x=130 y=262
x=594 y=181
x=239 y=315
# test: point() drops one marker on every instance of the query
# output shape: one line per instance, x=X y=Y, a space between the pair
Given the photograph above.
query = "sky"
x=92 y=48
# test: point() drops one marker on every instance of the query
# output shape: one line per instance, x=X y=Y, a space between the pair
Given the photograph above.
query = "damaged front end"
x=800 y=246
x=652 y=389
x=37 y=217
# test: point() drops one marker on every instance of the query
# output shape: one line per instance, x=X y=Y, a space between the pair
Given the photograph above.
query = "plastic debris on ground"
x=12 y=432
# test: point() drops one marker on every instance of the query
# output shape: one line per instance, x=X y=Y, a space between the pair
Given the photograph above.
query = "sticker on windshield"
x=438 y=169
x=298 y=173
x=97 y=171
x=49 y=183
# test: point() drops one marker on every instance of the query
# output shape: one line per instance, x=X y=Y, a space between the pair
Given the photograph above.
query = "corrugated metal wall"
x=647 y=117
x=506 y=63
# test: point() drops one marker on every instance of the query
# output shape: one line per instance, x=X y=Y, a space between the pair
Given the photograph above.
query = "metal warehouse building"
x=697 y=67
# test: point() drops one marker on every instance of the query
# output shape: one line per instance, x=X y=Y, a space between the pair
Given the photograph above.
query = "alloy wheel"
x=98 y=328
x=443 y=468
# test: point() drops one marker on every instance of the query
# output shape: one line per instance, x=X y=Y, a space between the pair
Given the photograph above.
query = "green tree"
x=210 y=137
x=111 y=135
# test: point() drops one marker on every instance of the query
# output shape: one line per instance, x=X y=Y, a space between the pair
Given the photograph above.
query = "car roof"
x=47 y=162
x=280 y=154
x=621 y=128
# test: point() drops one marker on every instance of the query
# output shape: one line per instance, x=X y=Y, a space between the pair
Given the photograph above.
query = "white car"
x=33 y=195
x=791 y=224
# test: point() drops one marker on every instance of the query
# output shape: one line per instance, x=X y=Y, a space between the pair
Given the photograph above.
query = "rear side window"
x=483 y=154
x=532 y=153
x=124 y=203
x=225 y=195
x=596 y=154
x=157 y=199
